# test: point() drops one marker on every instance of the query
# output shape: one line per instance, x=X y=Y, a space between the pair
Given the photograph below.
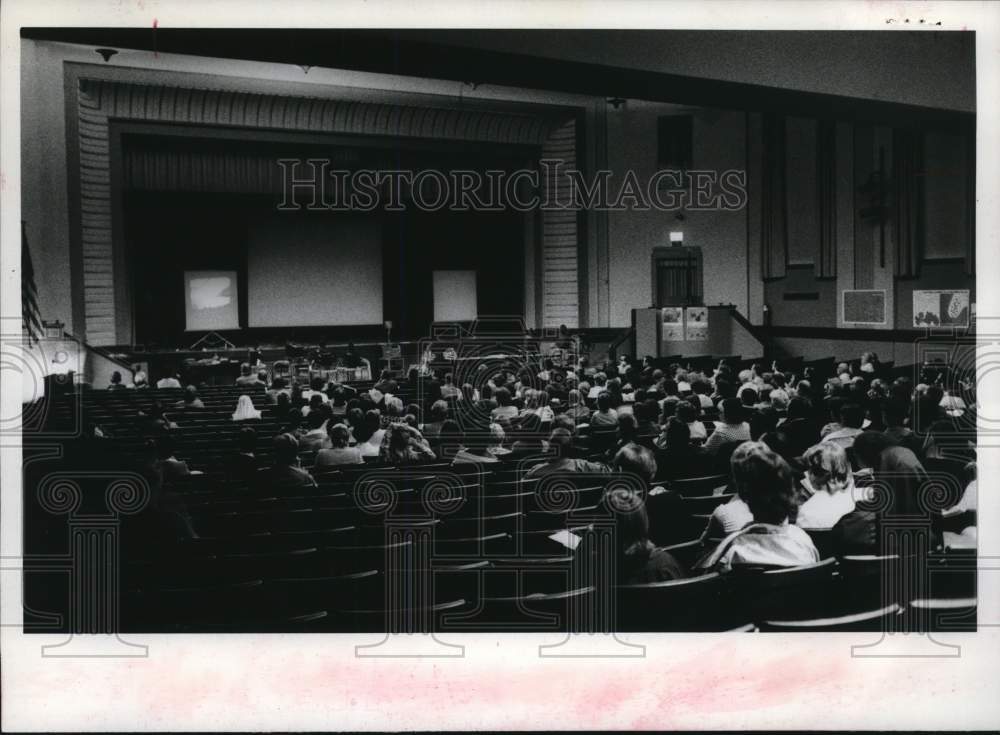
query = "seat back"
x=791 y=593
x=869 y=620
x=694 y=605
x=699 y=486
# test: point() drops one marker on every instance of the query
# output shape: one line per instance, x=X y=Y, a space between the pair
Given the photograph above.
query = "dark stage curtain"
x=907 y=154
x=826 y=179
x=774 y=220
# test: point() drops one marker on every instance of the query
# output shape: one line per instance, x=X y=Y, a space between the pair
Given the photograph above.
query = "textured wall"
x=719 y=144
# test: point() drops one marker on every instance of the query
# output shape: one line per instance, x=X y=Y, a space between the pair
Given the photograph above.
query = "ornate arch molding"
x=103 y=306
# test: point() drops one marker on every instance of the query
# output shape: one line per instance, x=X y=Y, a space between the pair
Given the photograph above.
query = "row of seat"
x=506 y=592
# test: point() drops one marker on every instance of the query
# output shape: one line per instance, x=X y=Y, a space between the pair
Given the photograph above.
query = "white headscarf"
x=245 y=410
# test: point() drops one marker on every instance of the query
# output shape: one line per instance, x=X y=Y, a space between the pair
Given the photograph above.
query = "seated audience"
x=438 y=415
x=315 y=402
x=576 y=408
x=765 y=482
x=561 y=443
x=370 y=435
x=315 y=436
x=405 y=445
x=285 y=472
x=140 y=380
x=497 y=437
x=869 y=363
x=899 y=475
x=167 y=465
x=732 y=428
x=247 y=378
x=449 y=390
x=386 y=383
x=604 y=415
x=639 y=560
x=833 y=406
x=832 y=483
x=505 y=410
x=678 y=459
x=155 y=421
x=338 y=453
x=851 y=418
x=168 y=381
x=894 y=413
x=191 y=401
x=688 y=413
x=242 y=466
x=245 y=410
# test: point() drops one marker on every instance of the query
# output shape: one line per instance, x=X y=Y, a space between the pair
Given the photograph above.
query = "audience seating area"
x=476 y=546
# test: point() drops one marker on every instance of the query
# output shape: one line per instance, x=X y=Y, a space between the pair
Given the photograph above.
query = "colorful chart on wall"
x=696 y=323
x=673 y=324
x=863 y=306
x=941 y=308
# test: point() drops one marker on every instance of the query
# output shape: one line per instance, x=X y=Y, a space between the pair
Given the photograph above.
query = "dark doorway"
x=677 y=276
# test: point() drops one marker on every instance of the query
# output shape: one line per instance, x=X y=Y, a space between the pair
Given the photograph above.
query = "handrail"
x=100 y=351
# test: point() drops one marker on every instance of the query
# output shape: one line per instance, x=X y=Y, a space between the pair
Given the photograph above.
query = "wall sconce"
x=305 y=68
x=616 y=102
x=676 y=238
x=106 y=53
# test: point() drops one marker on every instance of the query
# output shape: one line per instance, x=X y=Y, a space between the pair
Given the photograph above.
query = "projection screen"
x=455 y=296
x=307 y=270
x=211 y=301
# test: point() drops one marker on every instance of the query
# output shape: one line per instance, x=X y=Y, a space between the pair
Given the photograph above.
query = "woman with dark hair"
x=369 y=437
x=688 y=412
x=678 y=458
x=899 y=475
x=639 y=560
x=355 y=422
x=242 y=466
x=764 y=480
x=315 y=436
x=293 y=422
x=505 y=410
x=605 y=415
x=156 y=421
x=413 y=380
x=732 y=428
x=450 y=438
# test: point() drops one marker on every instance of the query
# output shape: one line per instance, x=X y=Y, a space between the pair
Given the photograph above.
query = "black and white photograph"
x=365 y=336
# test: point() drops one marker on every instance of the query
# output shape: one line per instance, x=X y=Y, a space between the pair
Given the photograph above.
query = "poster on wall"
x=696 y=323
x=863 y=306
x=941 y=308
x=673 y=324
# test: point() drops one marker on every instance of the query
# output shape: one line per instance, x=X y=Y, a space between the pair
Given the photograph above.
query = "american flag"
x=30 y=316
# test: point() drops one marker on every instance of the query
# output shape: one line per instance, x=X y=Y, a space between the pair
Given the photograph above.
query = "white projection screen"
x=211 y=301
x=455 y=296
x=312 y=270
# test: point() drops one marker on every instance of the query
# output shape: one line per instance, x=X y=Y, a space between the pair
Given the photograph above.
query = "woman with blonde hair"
x=828 y=473
x=245 y=410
